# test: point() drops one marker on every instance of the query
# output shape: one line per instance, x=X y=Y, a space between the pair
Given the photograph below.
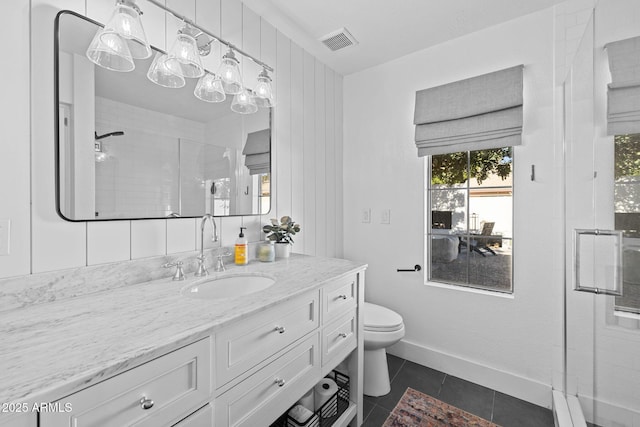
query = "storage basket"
x=329 y=412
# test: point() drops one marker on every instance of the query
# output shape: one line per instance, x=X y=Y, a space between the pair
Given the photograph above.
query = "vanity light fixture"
x=111 y=53
x=209 y=89
x=162 y=75
x=244 y=102
x=125 y=23
x=263 y=90
x=184 y=57
x=123 y=39
x=229 y=73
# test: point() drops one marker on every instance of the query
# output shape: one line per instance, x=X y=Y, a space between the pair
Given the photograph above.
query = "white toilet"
x=382 y=328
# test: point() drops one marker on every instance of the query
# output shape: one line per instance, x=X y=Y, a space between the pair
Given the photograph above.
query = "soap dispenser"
x=242 y=249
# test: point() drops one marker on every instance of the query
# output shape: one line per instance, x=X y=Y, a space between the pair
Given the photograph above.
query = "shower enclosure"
x=602 y=236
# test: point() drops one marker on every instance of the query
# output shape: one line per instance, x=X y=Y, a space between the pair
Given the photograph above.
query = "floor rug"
x=417 y=409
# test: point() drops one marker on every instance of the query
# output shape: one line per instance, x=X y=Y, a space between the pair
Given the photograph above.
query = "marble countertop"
x=52 y=349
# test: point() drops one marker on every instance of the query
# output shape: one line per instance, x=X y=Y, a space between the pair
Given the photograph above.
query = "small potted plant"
x=280 y=233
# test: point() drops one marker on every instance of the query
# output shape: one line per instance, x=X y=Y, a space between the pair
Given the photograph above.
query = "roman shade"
x=623 y=95
x=257 y=152
x=479 y=113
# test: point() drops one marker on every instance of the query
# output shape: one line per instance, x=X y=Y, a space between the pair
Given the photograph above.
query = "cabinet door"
x=339 y=297
x=16 y=419
x=245 y=344
x=339 y=337
x=160 y=392
x=264 y=396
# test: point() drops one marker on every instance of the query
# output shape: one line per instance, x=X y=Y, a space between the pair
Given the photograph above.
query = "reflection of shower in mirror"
x=100 y=154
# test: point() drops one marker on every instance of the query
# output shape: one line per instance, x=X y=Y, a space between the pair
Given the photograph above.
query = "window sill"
x=469 y=290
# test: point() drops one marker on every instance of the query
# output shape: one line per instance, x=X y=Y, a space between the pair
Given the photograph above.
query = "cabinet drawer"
x=339 y=296
x=265 y=395
x=339 y=336
x=172 y=386
x=243 y=345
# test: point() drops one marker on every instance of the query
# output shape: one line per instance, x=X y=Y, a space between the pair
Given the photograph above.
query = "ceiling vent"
x=339 y=39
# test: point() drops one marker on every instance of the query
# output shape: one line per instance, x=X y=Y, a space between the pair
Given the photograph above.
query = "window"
x=470 y=237
x=627 y=217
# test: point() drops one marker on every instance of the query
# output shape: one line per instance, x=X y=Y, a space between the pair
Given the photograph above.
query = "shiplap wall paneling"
x=283 y=124
x=309 y=147
x=56 y=244
x=14 y=149
x=320 y=158
x=251 y=34
x=339 y=160
x=251 y=45
x=297 y=143
x=268 y=54
x=330 y=164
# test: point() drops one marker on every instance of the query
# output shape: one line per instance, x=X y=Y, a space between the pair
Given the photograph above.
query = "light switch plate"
x=385 y=216
x=5 y=236
x=366 y=215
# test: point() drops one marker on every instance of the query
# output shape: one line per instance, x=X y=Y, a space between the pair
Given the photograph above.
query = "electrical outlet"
x=5 y=236
x=366 y=215
x=385 y=216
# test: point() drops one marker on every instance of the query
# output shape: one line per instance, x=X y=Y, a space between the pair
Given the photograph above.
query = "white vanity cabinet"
x=160 y=392
x=247 y=372
x=312 y=334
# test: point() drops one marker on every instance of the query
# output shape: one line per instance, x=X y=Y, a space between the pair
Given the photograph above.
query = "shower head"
x=106 y=135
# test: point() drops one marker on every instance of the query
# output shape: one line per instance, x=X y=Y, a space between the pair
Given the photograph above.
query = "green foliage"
x=627 y=152
x=281 y=232
x=450 y=169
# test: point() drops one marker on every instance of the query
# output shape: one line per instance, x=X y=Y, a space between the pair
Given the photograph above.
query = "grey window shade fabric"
x=474 y=114
x=257 y=152
x=623 y=95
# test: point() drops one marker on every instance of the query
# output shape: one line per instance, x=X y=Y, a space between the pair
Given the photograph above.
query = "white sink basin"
x=228 y=286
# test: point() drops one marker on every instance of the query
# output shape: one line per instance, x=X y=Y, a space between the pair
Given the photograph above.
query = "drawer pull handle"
x=280 y=329
x=343 y=296
x=146 y=403
x=342 y=335
x=280 y=382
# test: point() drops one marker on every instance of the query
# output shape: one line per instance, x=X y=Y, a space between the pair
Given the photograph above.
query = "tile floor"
x=492 y=405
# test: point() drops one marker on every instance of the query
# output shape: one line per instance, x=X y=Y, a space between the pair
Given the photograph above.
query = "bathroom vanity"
x=147 y=355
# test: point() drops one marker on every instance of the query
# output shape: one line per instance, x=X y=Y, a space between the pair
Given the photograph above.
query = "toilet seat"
x=381 y=319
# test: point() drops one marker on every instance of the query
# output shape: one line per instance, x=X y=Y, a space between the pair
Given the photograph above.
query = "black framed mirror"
x=127 y=148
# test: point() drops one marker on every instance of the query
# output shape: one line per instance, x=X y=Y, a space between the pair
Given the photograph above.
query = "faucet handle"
x=219 y=264
x=179 y=274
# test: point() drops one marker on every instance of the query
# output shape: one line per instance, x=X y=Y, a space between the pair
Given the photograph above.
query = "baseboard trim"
x=505 y=382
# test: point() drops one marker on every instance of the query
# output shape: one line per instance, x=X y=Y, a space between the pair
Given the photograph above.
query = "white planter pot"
x=283 y=250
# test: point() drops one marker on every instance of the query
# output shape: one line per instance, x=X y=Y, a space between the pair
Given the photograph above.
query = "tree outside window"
x=471 y=209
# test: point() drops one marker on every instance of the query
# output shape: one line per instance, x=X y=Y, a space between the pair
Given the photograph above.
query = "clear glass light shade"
x=184 y=57
x=263 y=91
x=229 y=73
x=162 y=75
x=243 y=103
x=110 y=52
x=209 y=89
x=125 y=22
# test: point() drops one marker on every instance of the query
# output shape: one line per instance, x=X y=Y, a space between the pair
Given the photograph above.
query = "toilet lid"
x=381 y=319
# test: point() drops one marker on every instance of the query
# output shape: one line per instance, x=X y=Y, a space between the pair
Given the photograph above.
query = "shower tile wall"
x=128 y=179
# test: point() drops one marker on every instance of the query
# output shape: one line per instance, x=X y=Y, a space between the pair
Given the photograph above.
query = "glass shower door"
x=602 y=222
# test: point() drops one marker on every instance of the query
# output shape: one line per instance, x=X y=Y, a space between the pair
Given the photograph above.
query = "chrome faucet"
x=202 y=269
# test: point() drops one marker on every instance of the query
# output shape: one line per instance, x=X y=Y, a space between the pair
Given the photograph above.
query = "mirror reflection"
x=129 y=149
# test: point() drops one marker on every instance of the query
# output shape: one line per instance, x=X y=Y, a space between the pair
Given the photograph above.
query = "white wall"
x=502 y=342
x=307 y=125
